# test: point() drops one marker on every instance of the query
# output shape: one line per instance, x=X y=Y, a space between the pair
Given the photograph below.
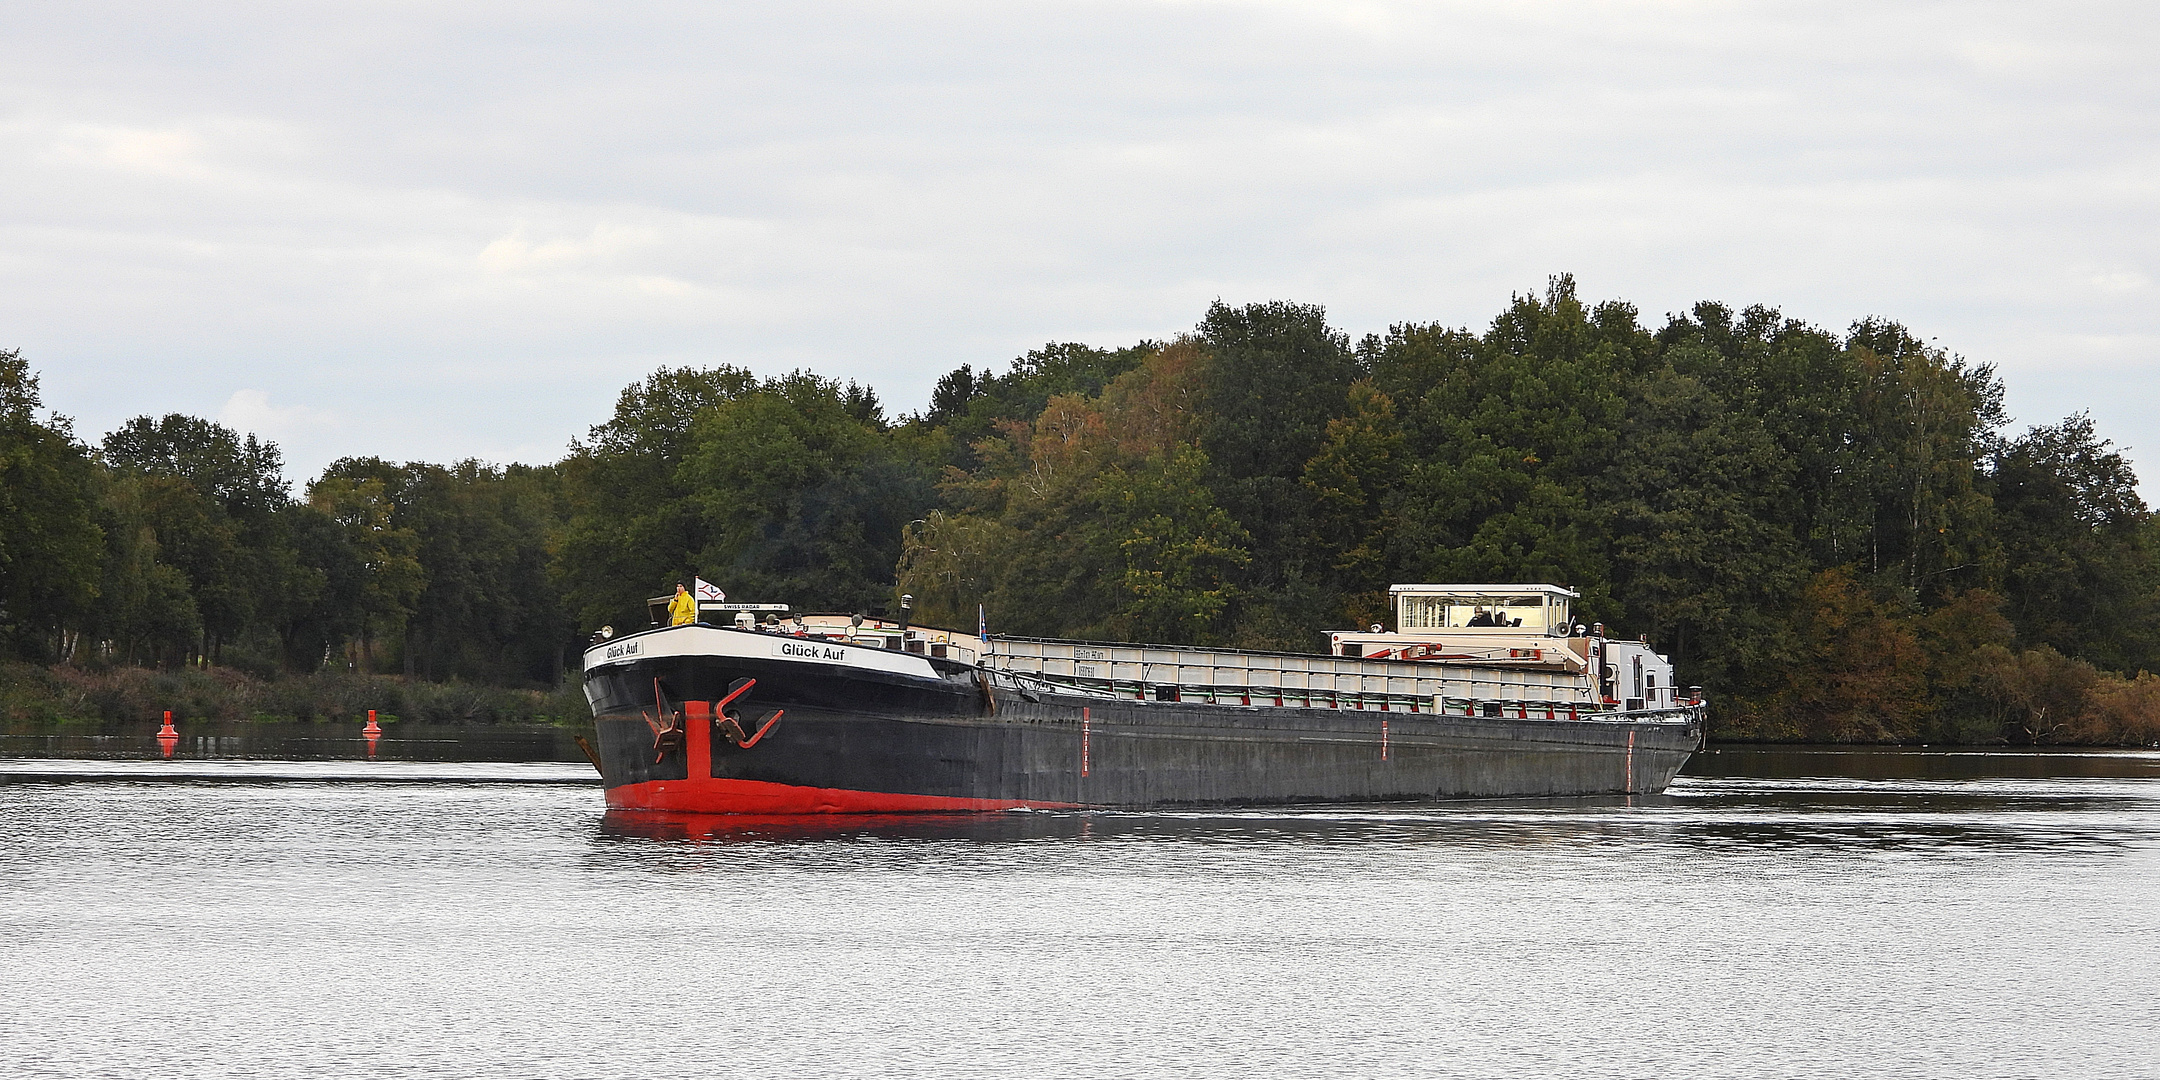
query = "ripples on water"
x=1777 y=914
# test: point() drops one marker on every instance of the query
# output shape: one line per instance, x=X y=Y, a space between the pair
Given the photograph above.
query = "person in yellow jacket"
x=683 y=609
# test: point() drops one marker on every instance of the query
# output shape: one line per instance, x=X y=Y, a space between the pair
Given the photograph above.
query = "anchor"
x=730 y=725
x=663 y=727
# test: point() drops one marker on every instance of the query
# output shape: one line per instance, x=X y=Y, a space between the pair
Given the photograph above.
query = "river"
x=1778 y=913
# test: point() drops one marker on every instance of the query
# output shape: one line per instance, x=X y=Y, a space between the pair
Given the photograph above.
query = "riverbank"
x=36 y=698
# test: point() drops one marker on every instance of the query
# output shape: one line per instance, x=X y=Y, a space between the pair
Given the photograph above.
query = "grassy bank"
x=32 y=694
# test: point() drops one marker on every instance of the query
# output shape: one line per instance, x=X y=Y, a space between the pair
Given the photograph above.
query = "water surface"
x=1777 y=914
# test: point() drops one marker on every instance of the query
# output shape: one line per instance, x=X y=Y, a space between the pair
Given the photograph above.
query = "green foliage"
x=186 y=534
x=968 y=405
x=2077 y=547
x=1700 y=558
x=35 y=695
x=1504 y=435
x=1350 y=481
x=1829 y=531
x=1274 y=375
x=359 y=494
x=1093 y=520
x=50 y=543
x=1826 y=530
x=800 y=495
x=486 y=610
x=319 y=605
x=244 y=477
x=1176 y=549
x=149 y=613
x=791 y=487
x=631 y=518
x=200 y=555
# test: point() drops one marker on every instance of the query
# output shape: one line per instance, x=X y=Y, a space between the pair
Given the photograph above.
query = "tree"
x=358 y=494
x=800 y=497
x=245 y=477
x=1178 y=552
x=489 y=611
x=1275 y=374
x=631 y=516
x=791 y=488
x=1925 y=420
x=1862 y=675
x=1093 y=519
x=1503 y=434
x=207 y=503
x=1886 y=433
x=324 y=602
x=2078 y=547
x=1351 y=480
x=175 y=573
x=968 y=405
x=50 y=544
x=1697 y=550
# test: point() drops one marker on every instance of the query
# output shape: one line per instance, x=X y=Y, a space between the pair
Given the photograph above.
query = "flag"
x=706 y=590
x=982 y=622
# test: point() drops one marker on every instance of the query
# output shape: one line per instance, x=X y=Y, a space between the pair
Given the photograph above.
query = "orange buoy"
x=168 y=729
x=372 y=727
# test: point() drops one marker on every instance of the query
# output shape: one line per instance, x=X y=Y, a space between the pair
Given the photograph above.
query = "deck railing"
x=1232 y=676
x=1262 y=697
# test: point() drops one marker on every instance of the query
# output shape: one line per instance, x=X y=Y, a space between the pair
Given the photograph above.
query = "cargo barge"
x=1480 y=691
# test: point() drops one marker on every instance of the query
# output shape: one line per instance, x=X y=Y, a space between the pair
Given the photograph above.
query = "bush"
x=2123 y=712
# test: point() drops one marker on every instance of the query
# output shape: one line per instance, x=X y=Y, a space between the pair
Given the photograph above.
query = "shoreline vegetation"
x=1839 y=535
x=40 y=698
x=2083 y=706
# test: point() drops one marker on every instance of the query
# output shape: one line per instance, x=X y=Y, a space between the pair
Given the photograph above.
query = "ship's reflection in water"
x=1744 y=801
x=1777 y=914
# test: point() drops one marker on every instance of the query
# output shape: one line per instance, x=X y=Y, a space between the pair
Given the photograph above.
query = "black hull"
x=940 y=740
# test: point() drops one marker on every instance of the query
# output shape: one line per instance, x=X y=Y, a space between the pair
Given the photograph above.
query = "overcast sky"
x=433 y=231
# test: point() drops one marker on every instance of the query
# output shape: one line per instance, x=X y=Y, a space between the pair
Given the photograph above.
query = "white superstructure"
x=1526 y=627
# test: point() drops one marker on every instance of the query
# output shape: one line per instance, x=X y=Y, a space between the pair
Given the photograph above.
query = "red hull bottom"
x=716 y=796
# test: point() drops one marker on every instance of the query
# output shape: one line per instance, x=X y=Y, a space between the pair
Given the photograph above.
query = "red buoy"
x=168 y=730
x=372 y=727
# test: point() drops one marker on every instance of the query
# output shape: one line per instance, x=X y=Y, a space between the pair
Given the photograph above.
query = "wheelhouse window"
x=1450 y=609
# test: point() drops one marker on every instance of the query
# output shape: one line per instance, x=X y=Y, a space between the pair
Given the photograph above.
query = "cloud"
x=469 y=226
x=170 y=153
x=514 y=252
x=2117 y=282
x=250 y=412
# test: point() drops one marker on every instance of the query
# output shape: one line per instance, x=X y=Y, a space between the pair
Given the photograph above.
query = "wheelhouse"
x=1431 y=610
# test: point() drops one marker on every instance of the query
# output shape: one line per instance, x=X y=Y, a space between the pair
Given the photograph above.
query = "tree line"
x=176 y=541
x=1836 y=533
